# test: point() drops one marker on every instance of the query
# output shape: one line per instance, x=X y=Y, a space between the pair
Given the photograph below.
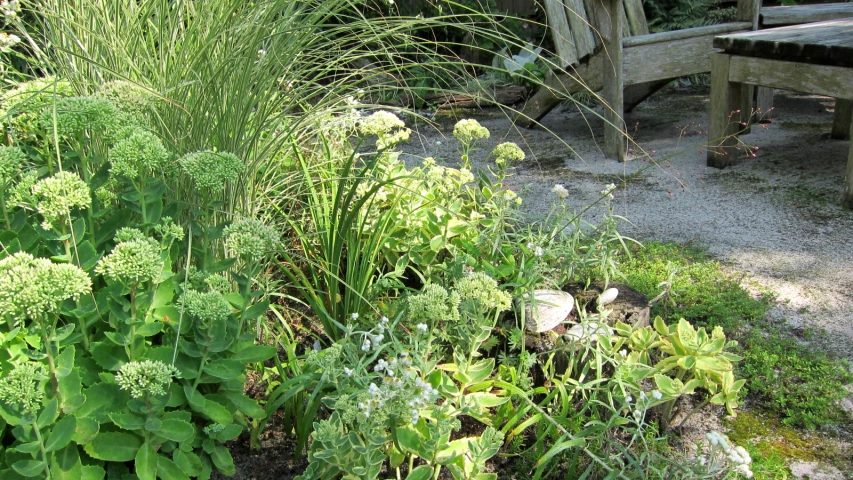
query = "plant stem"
x=43 y=452
x=3 y=206
x=54 y=383
x=200 y=367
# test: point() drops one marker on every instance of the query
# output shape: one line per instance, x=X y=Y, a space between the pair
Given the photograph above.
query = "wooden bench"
x=616 y=53
x=811 y=58
x=639 y=63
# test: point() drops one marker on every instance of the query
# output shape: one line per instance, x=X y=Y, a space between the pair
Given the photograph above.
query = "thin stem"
x=50 y=361
x=694 y=410
x=43 y=452
x=3 y=206
x=200 y=367
x=133 y=316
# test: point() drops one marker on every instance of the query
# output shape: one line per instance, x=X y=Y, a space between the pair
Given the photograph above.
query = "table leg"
x=847 y=197
x=842 y=118
x=764 y=104
x=725 y=114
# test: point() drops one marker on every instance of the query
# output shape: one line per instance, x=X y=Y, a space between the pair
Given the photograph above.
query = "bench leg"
x=847 y=196
x=842 y=118
x=614 y=126
x=764 y=105
x=726 y=112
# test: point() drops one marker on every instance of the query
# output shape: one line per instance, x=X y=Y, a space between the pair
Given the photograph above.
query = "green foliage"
x=107 y=359
x=666 y=15
x=801 y=384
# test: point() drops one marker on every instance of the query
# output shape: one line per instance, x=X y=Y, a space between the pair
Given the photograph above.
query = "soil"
x=774 y=219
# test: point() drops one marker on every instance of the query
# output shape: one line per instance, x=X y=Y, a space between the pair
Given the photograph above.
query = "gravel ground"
x=776 y=217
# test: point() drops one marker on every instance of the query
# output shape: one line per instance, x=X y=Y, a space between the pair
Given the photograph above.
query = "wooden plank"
x=830 y=81
x=634 y=94
x=670 y=59
x=561 y=33
x=597 y=16
x=623 y=21
x=581 y=28
x=662 y=37
x=777 y=16
x=847 y=196
x=764 y=105
x=614 y=128
x=636 y=17
x=725 y=118
x=842 y=118
x=584 y=77
x=747 y=11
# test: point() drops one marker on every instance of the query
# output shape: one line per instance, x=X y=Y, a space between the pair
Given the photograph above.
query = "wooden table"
x=812 y=58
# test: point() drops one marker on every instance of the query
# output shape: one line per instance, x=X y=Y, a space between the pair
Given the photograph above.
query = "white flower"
x=365 y=346
x=560 y=191
x=629 y=399
x=657 y=395
x=539 y=252
x=262 y=52
x=354 y=316
x=348 y=372
x=422 y=327
x=623 y=353
x=374 y=391
x=380 y=365
x=608 y=190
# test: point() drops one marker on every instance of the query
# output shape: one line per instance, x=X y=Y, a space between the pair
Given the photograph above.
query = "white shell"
x=587 y=331
x=608 y=296
x=548 y=309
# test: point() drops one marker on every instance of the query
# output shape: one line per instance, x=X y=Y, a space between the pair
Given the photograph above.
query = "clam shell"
x=608 y=296
x=548 y=309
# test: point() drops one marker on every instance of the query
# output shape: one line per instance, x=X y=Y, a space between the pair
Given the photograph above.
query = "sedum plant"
x=123 y=330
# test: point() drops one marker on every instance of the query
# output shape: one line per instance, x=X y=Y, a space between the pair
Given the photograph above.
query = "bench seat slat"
x=791 y=15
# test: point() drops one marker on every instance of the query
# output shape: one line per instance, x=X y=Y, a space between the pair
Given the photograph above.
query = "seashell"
x=548 y=309
x=608 y=296
x=587 y=331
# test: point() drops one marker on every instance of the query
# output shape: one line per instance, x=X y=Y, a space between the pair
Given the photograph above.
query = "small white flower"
x=608 y=190
x=560 y=191
x=348 y=372
x=530 y=245
x=383 y=320
x=380 y=365
x=629 y=399
x=354 y=316
x=539 y=252
x=422 y=327
x=642 y=395
x=262 y=52
x=373 y=390
x=657 y=395
x=365 y=346
x=623 y=353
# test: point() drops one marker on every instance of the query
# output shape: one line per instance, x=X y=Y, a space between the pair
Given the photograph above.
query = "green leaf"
x=175 y=430
x=557 y=448
x=93 y=472
x=85 y=430
x=127 y=421
x=254 y=353
x=145 y=464
x=61 y=434
x=108 y=356
x=224 y=369
x=481 y=370
x=209 y=408
x=114 y=446
x=62 y=333
x=246 y=405
x=222 y=459
x=411 y=441
x=149 y=329
x=49 y=414
x=65 y=464
x=437 y=243
x=256 y=311
x=87 y=254
x=29 y=468
x=101 y=400
x=188 y=462
x=169 y=470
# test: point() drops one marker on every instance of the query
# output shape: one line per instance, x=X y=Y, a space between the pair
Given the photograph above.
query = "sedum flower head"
x=138 y=154
x=379 y=123
x=22 y=387
x=58 y=195
x=433 y=303
x=469 y=130
x=74 y=115
x=218 y=283
x=250 y=238
x=32 y=286
x=483 y=289
x=11 y=159
x=167 y=229
x=210 y=170
x=128 y=234
x=132 y=261
x=208 y=306
x=508 y=152
x=388 y=140
x=146 y=377
x=127 y=96
x=22 y=193
x=24 y=103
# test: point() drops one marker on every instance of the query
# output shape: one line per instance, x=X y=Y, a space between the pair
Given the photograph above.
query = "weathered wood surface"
x=831 y=81
x=847 y=195
x=581 y=28
x=778 y=16
x=561 y=33
x=664 y=37
x=636 y=18
x=747 y=11
x=614 y=128
x=822 y=43
x=725 y=117
x=841 y=119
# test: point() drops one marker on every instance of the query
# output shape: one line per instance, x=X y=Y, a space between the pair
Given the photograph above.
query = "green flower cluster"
x=137 y=155
x=469 y=130
x=210 y=170
x=484 y=290
x=508 y=152
x=250 y=238
x=21 y=194
x=167 y=229
x=58 y=195
x=31 y=286
x=22 y=387
x=432 y=304
x=218 y=283
x=127 y=96
x=209 y=306
x=11 y=159
x=134 y=260
x=23 y=103
x=75 y=115
x=146 y=377
x=379 y=123
x=390 y=139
